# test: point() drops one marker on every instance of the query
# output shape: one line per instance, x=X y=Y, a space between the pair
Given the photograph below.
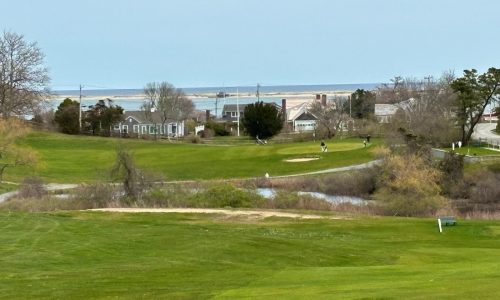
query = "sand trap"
x=302 y=159
x=251 y=213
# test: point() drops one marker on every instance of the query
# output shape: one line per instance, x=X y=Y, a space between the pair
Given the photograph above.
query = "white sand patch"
x=302 y=159
x=250 y=213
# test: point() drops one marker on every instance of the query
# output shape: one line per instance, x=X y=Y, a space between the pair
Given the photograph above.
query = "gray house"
x=136 y=123
x=230 y=112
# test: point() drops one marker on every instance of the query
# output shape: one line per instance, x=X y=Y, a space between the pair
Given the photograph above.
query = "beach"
x=202 y=101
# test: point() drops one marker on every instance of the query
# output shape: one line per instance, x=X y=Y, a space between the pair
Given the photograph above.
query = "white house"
x=135 y=122
x=384 y=112
x=300 y=118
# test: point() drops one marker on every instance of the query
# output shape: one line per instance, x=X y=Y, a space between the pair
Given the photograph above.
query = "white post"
x=238 y=108
x=439 y=223
x=80 y=110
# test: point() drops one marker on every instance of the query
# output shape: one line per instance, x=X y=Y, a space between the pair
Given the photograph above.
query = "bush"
x=32 y=187
x=408 y=186
x=193 y=138
x=359 y=183
x=225 y=195
x=287 y=200
x=483 y=193
x=174 y=196
x=219 y=129
x=98 y=195
x=452 y=168
x=43 y=204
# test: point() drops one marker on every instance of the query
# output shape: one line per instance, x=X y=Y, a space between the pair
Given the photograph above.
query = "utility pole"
x=258 y=91
x=80 y=110
x=216 y=102
x=428 y=78
x=238 y=108
x=350 y=107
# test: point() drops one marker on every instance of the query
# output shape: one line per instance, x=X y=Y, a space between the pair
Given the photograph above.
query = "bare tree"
x=23 y=77
x=330 y=117
x=426 y=108
x=166 y=103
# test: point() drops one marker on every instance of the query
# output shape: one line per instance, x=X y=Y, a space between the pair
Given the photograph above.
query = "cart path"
x=65 y=186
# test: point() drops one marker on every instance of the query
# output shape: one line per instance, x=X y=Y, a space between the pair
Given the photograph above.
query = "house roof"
x=140 y=116
x=233 y=107
x=385 y=109
x=306 y=116
x=299 y=111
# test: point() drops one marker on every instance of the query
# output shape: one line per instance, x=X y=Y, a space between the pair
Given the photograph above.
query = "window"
x=125 y=128
x=136 y=128
x=144 y=129
x=151 y=130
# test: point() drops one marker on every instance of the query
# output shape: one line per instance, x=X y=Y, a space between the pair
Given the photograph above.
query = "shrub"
x=225 y=195
x=193 y=138
x=359 y=183
x=287 y=200
x=32 y=187
x=452 y=167
x=484 y=193
x=207 y=133
x=219 y=129
x=42 y=205
x=174 y=196
x=98 y=195
x=408 y=186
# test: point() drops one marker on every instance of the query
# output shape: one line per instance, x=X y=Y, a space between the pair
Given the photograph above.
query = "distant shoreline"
x=209 y=96
x=211 y=92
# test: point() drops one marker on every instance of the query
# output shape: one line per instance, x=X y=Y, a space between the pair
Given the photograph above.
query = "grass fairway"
x=82 y=255
x=65 y=158
x=474 y=151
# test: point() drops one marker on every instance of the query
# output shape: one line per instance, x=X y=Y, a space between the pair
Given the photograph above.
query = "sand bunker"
x=302 y=159
x=250 y=213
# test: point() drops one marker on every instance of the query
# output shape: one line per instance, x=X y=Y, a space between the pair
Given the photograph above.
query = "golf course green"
x=74 y=159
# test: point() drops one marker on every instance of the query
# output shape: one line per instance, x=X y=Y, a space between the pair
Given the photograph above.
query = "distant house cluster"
x=298 y=118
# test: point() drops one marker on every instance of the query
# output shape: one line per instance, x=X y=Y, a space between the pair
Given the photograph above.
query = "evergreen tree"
x=67 y=116
x=262 y=120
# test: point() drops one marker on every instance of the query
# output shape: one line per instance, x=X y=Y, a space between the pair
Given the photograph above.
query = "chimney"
x=207 y=115
x=323 y=99
x=283 y=109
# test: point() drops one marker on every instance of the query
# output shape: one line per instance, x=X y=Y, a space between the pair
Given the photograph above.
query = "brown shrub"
x=32 y=187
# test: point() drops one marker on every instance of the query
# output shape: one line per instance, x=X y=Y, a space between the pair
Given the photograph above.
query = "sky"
x=204 y=43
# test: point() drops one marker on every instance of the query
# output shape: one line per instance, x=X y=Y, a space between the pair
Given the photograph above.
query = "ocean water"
x=130 y=104
x=231 y=90
x=131 y=99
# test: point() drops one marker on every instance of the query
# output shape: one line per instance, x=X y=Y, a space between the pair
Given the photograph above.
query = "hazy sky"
x=190 y=43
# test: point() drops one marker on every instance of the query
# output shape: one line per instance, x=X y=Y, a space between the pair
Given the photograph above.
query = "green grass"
x=88 y=255
x=474 y=151
x=5 y=187
x=66 y=158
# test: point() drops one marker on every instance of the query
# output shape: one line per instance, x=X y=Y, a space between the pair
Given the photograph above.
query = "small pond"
x=269 y=193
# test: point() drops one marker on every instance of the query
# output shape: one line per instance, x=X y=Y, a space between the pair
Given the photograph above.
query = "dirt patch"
x=250 y=213
x=302 y=159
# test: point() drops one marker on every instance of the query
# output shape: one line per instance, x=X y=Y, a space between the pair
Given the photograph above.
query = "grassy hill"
x=82 y=255
x=66 y=158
